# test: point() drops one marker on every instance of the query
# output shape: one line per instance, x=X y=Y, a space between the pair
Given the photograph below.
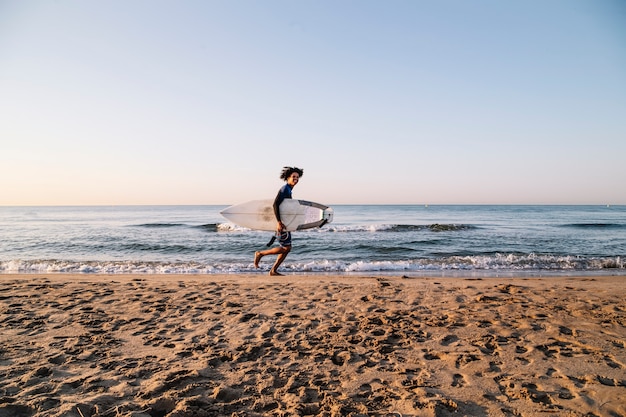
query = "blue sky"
x=203 y=102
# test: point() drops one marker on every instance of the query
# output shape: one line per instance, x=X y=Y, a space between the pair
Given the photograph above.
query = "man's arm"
x=277 y=201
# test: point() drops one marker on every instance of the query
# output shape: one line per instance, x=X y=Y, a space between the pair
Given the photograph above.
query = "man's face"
x=293 y=179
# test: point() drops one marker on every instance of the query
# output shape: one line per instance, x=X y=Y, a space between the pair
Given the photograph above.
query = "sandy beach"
x=254 y=345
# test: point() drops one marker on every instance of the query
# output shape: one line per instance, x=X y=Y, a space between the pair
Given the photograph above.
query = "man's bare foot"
x=276 y=274
x=257 y=258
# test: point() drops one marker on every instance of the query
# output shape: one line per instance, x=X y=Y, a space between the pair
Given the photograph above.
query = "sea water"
x=411 y=240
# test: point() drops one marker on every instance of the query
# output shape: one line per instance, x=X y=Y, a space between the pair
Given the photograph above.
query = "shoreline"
x=444 y=274
x=308 y=344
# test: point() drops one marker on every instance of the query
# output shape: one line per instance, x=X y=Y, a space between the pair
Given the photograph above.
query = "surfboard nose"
x=328 y=215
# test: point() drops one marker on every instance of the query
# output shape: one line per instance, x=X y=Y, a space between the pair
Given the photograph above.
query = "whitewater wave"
x=496 y=262
x=209 y=227
x=593 y=226
x=399 y=228
x=402 y=228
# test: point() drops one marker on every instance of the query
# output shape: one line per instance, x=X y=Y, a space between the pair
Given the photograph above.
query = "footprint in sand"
x=567 y=331
x=458 y=381
x=619 y=344
x=449 y=339
x=466 y=358
x=432 y=355
x=566 y=394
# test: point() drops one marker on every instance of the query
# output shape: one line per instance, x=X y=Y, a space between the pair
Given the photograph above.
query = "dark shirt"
x=283 y=193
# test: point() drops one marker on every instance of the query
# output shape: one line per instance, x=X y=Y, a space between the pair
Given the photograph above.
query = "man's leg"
x=274 y=251
x=284 y=251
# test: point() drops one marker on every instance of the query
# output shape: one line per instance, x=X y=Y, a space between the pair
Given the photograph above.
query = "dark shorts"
x=284 y=239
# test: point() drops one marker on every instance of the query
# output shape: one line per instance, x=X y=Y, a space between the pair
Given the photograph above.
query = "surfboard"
x=295 y=214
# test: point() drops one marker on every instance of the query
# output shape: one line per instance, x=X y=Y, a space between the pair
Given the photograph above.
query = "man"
x=291 y=175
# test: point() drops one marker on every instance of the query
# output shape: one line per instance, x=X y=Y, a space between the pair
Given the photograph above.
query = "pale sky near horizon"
x=203 y=102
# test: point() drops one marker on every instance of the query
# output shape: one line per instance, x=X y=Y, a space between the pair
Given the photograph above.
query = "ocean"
x=409 y=240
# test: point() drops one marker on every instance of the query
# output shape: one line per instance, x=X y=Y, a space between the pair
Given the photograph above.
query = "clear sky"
x=203 y=102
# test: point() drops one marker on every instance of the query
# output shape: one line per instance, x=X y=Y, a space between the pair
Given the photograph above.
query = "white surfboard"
x=295 y=214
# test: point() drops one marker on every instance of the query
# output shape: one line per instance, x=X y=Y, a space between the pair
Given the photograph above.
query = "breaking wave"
x=402 y=228
x=480 y=263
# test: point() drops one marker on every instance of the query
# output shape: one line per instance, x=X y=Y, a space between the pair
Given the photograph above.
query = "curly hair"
x=287 y=171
